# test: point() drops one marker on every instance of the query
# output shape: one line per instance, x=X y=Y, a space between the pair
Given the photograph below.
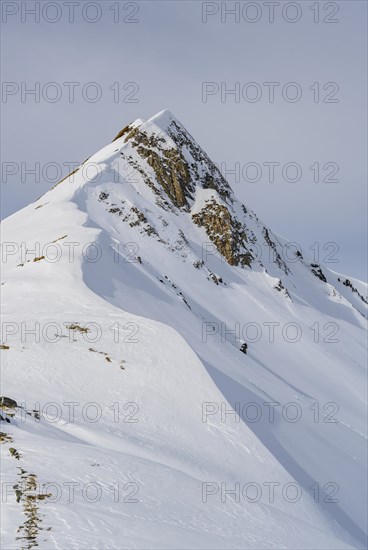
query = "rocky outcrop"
x=225 y=231
x=348 y=284
x=8 y=403
x=317 y=271
x=178 y=169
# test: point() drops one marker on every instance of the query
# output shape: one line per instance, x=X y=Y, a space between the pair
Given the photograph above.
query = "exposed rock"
x=176 y=175
x=227 y=233
x=8 y=402
x=211 y=177
x=244 y=347
x=280 y=287
x=317 y=271
x=15 y=453
x=277 y=258
x=121 y=133
x=348 y=284
x=5 y=438
x=78 y=328
x=170 y=167
x=27 y=493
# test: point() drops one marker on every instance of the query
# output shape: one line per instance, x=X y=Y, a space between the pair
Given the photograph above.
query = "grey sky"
x=169 y=53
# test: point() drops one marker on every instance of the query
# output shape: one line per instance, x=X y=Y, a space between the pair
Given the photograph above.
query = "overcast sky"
x=187 y=57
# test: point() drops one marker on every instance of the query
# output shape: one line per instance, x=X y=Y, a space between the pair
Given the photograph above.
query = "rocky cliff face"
x=178 y=162
x=227 y=233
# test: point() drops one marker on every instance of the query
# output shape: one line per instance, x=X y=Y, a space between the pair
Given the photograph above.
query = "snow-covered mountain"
x=182 y=377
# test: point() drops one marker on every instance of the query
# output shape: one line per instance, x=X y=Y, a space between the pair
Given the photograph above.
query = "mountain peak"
x=169 y=159
x=163 y=119
x=154 y=174
x=161 y=122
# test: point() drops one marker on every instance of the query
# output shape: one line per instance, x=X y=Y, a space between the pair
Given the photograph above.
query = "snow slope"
x=129 y=290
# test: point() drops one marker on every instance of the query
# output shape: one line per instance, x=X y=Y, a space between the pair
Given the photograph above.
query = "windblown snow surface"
x=128 y=292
